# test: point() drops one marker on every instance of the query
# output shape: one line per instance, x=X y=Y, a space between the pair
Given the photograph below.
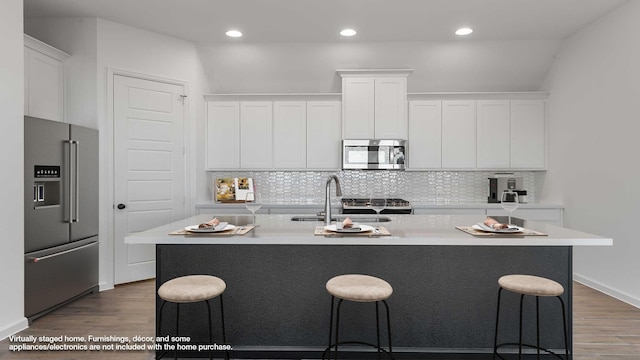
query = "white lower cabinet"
x=548 y=215
x=459 y=211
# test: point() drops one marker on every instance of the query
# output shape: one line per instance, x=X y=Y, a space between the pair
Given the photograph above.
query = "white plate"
x=510 y=229
x=363 y=228
x=194 y=228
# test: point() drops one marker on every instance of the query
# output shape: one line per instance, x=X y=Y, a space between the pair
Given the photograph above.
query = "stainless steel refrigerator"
x=60 y=214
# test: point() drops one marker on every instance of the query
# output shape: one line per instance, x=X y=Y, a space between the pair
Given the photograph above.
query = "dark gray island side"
x=444 y=280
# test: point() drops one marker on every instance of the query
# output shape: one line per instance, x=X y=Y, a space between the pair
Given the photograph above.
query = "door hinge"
x=181 y=98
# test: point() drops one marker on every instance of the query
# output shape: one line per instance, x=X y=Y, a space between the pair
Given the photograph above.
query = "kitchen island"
x=444 y=280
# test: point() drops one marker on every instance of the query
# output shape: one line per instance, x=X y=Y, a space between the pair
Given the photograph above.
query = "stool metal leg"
x=520 y=336
x=388 y=329
x=378 y=329
x=538 y=326
x=210 y=330
x=330 y=328
x=338 y=325
x=177 y=322
x=564 y=326
x=495 y=337
x=224 y=334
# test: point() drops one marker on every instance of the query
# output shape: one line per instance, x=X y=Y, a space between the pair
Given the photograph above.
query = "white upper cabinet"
x=390 y=108
x=43 y=80
x=324 y=135
x=358 y=103
x=458 y=134
x=425 y=131
x=374 y=104
x=223 y=135
x=290 y=134
x=528 y=134
x=493 y=136
x=256 y=142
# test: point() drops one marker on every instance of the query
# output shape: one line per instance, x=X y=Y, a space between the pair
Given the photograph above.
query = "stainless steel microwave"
x=374 y=154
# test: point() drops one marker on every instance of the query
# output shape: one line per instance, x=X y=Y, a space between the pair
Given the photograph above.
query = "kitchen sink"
x=356 y=218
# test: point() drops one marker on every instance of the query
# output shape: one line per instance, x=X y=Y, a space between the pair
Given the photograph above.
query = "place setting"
x=214 y=227
x=492 y=227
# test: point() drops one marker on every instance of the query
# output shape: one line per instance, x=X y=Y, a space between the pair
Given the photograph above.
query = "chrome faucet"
x=327 y=200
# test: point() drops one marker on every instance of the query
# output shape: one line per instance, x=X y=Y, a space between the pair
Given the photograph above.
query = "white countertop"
x=416 y=205
x=404 y=229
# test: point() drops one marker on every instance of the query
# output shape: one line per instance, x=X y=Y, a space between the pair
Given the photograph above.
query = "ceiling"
x=280 y=21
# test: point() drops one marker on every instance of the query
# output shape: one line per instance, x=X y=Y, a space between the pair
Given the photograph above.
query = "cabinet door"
x=425 y=129
x=223 y=135
x=528 y=137
x=493 y=121
x=458 y=134
x=289 y=134
x=324 y=135
x=358 y=97
x=391 y=108
x=44 y=85
x=256 y=127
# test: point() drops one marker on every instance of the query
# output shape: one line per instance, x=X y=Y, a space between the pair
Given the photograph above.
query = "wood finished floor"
x=604 y=328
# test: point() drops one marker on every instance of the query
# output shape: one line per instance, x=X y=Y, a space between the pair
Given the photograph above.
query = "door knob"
x=121 y=206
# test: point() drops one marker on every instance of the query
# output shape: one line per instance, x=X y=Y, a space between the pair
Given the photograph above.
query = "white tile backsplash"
x=308 y=187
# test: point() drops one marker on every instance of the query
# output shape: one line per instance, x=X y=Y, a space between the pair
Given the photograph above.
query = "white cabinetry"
x=289 y=134
x=528 y=136
x=458 y=134
x=256 y=129
x=493 y=135
x=374 y=104
x=43 y=80
x=223 y=135
x=324 y=135
x=425 y=131
x=273 y=135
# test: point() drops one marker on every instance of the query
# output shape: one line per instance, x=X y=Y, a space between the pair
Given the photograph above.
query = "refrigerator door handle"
x=73 y=181
x=76 y=194
x=38 y=259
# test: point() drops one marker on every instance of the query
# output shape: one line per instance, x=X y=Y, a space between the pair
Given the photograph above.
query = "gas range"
x=362 y=206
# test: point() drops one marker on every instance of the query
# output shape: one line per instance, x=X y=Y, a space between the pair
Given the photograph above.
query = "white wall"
x=438 y=66
x=11 y=177
x=594 y=145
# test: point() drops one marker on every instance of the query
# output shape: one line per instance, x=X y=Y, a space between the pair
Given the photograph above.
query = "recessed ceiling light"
x=234 y=33
x=464 y=31
x=348 y=32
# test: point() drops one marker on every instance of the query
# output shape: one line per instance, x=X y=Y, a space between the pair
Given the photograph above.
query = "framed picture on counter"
x=225 y=189
x=243 y=186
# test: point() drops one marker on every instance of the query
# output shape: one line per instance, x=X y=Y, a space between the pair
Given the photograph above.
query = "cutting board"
x=232 y=232
x=321 y=231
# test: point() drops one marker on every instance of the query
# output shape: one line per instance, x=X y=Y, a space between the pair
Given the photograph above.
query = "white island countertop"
x=405 y=230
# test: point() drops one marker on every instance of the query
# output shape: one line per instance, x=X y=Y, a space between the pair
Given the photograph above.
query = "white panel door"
x=528 y=134
x=458 y=134
x=44 y=86
x=493 y=121
x=256 y=128
x=425 y=131
x=358 y=108
x=223 y=135
x=290 y=134
x=324 y=135
x=391 y=108
x=149 y=168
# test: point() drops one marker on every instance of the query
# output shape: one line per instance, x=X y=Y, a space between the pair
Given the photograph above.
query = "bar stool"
x=192 y=289
x=533 y=286
x=358 y=288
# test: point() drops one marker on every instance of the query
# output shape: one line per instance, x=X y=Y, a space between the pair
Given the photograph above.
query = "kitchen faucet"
x=327 y=200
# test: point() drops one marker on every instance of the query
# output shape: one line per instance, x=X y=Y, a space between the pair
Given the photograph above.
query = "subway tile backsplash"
x=419 y=187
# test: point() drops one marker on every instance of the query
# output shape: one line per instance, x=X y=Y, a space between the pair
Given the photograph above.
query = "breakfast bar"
x=444 y=282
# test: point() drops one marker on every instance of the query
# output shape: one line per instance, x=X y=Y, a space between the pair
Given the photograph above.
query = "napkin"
x=494 y=224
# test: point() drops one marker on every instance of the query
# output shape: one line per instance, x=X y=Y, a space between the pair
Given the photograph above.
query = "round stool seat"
x=361 y=288
x=531 y=285
x=191 y=288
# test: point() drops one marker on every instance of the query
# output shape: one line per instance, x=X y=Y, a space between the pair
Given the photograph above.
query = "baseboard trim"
x=620 y=295
x=14 y=328
x=105 y=286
